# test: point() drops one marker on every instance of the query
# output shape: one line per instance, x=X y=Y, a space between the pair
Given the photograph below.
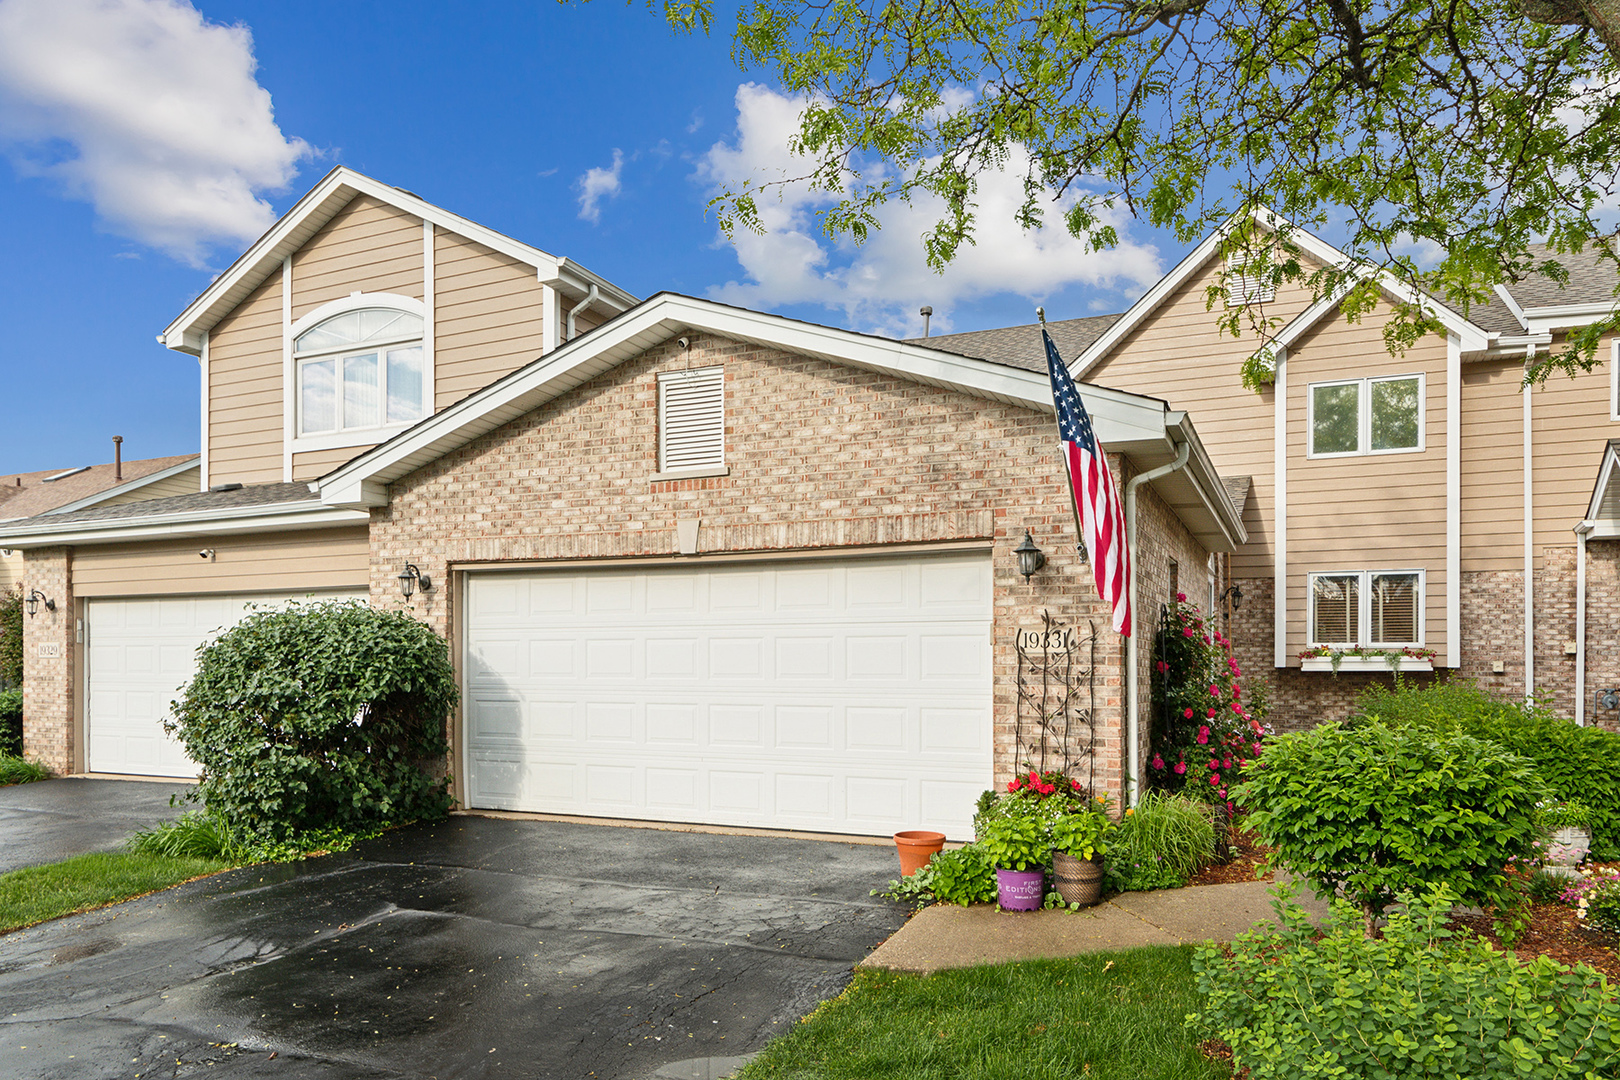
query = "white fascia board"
x=1206 y=480
x=126 y=487
x=575 y=278
x=1121 y=419
x=335 y=190
x=277 y=517
x=1545 y=320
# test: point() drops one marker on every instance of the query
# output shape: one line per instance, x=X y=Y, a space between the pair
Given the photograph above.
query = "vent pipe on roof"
x=118 y=457
x=927 y=313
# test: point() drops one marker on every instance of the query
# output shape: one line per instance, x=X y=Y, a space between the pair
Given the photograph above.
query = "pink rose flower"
x=1214 y=765
x=1181 y=767
x=1181 y=597
x=1214 y=691
x=1210 y=713
x=1226 y=763
x=1187 y=632
x=1163 y=667
x=1215 y=780
x=1187 y=712
x=1157 y=762
x=1257 y=748
x=1203 y=735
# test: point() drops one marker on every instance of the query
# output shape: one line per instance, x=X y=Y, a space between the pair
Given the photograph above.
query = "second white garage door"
x=141 y=652
x=847 y=696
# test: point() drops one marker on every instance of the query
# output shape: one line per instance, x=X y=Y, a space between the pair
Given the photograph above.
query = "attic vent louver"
x=691 y=420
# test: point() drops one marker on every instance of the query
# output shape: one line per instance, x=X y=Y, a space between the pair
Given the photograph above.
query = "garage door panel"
x=139 y=653
x=808 y=696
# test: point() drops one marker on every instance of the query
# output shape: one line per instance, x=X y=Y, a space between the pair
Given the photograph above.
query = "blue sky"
x=145 y=150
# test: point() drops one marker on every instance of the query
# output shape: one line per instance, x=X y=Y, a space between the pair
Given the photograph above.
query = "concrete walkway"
x=947 y=936
x=50 y=820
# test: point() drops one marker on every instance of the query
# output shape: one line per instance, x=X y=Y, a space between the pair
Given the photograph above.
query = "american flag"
x=1098 y=511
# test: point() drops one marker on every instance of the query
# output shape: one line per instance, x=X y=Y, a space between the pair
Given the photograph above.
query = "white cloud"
x=880 y=284
x=171 y=137
x=599 y=184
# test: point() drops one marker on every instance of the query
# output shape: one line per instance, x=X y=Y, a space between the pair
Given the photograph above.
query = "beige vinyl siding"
x=368 y=245
x=1491 y=480
x=1570 y=428
x=1366 y=511
x=272 y=562
x=181 y=483
x=244 y=390
x=308 y=465
x=489 y=313
x=1181 y=355
x=11 y=571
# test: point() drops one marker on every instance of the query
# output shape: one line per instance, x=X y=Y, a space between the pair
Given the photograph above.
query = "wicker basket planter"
x=1078 y=881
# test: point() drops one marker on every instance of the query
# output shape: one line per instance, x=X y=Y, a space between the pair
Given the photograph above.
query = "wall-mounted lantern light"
x=411 y=579
x=1234 y=594
x=1030 y=557
x=33 y=599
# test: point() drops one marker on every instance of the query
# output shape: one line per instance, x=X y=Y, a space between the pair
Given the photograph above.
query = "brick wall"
x=822 y=457
x=48 y=682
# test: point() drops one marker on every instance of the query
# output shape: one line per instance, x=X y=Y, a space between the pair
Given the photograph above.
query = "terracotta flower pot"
x=916 y=847
x=1020 y=890
x=1078 y=881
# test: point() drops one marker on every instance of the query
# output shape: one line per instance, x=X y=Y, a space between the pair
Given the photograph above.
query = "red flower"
x=1257 y=748
x=1214 y=779
x=1015 y=785
x=1181 y=767
x=1163 y=667
x=1226 y=763
x=1237 y=708
x=1181 y=597
x=1187 y=712
x=1210 y=713
x=1214 y=691
x=1075 y=784
x=1187 y=632
x=1157 y=762
x=1203 y=735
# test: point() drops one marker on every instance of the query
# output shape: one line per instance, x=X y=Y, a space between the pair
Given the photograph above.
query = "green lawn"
x=37 y=893
x=1106 y=1015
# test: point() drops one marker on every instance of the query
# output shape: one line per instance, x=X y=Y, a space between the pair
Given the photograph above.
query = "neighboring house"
x=57 y=491
x=696 y=564
x=1424 y=500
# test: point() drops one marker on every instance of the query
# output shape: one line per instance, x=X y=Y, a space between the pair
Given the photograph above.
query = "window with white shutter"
x=691 y=420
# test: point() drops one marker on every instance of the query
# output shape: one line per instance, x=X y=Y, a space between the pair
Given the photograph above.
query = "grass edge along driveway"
x=1102 y=1016
x=35 y=894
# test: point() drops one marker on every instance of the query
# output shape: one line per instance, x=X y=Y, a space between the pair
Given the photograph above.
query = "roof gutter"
x=225 y=520
x=1132 y=683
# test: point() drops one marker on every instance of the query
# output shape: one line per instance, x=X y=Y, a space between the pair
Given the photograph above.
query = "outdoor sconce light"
x=1030 y=557
x=411 y=578
x=1235 y=594
x=34 y=597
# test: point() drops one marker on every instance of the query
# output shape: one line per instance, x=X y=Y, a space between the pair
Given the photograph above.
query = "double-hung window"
x=1377 y=609
x=360 y=370
x=1366 y=416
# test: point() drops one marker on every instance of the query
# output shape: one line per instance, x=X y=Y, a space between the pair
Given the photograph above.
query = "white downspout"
x=1133 y=706
x=1581 y=532
x=590 y=298
x=1529 y=557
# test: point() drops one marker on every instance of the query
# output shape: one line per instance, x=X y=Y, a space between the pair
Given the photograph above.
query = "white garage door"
x=141 y=652
x=846 y=696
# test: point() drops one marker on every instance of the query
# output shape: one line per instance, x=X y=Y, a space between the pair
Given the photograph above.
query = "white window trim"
x=1364 y=416
x=1614 y=379
x=370 y=436
x=1364 y=608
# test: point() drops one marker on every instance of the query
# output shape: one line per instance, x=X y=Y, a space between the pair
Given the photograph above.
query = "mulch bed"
x=1553 y=932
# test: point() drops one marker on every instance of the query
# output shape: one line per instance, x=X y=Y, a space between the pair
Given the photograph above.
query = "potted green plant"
x=1568 y=828
x=1017 y=847
x=1078 y=843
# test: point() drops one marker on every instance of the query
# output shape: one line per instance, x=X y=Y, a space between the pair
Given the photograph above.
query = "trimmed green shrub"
x=11 y=733
x=1576 y=762
x=1375 y=811
x=16 y=770
x=1418 y=1002
x=319 y=716
x=11 y=637
x=1159 y=843
x=963 y=876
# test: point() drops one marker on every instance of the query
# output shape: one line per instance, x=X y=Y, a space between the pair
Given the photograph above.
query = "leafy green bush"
x=1375 y=811
x=11 y=715
x=1017 y=843
x=1418 y=1002
x=319 y=716
x=1576 y=762
x=11 y=637
x=962 y=877
x=1159 y=843
x=197 y=834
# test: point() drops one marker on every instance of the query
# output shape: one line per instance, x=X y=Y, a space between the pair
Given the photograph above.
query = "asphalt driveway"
x=51 y=820
x=475 y=948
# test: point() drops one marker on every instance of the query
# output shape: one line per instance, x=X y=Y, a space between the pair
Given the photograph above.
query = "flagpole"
x=1079 y=533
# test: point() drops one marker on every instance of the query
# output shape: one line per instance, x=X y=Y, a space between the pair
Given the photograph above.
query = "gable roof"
x=1020 y=346
x=336 y=190
x=24 y=495
x=1144 y=428
x=1474 y=336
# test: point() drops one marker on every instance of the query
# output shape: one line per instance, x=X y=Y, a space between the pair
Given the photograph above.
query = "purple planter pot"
x=1021 y=890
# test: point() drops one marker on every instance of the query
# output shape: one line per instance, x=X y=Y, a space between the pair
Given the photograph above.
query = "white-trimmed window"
x=359 y=370
x=1365 y=416
x=692 y=420
x=1370 y=609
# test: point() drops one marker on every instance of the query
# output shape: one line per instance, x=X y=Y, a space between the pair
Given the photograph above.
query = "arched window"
x=360 y=369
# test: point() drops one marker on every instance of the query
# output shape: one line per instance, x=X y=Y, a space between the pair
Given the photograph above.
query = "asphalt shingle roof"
x=1237 y=490
x=1592 y=279
x=26 y=494
x=256 y=495
x=1020 y=346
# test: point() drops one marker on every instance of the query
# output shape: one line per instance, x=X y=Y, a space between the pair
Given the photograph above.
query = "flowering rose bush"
x=1046 y=796
x=1205 y=734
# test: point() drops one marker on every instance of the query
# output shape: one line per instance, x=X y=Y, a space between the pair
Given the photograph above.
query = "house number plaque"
x=1057 y=639
x=50 y=650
